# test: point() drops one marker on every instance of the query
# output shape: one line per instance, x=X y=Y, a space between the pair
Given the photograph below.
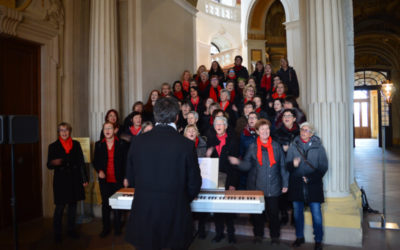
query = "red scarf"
x=233 y=93
x=67 y=144
x=247 y=130
x=135 y=131
x=304 y=140
x=258 y=110
x=214 y=95
x=238 y=68
x=211 y=120
x=225 y=106
x=276 y=95
x=195 y=103
x=268 y=146
x=222 y=143
x=294 y=127
x=232 y=78
x=179 y=95
x=185 y=85
x=203 y=85
x=266 y=82
x=196 y=143
x=245 y=100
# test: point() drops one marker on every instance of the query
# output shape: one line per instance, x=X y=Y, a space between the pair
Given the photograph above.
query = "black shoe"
x=275 y=241
x=104 y=233
x=257 y=239
x=57 y=238
x=318 y=246
x=218 y=238
x=232 y=239
x=73 y=234
x=298 y=242
x=117 y=232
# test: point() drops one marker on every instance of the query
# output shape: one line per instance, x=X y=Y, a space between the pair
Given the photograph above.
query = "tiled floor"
x=368 y=172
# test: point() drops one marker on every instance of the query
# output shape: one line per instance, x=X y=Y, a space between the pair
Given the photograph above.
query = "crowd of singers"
x=252 y=123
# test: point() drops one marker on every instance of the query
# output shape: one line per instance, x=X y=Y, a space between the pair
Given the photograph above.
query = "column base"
x=342 y=218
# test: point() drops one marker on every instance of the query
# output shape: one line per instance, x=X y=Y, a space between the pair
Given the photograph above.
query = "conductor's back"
x=163 y=167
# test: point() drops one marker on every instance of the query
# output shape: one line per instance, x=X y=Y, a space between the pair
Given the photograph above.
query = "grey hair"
x=221 y=118
x=196 y=115
x=225 y=91
x=204 y=73
x=309 y=125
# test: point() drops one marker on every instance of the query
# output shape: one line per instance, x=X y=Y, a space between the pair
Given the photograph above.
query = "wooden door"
x=20 y=95
x=362 y=116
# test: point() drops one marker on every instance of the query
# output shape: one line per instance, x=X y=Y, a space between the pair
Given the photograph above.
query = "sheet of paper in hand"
x=209 y=172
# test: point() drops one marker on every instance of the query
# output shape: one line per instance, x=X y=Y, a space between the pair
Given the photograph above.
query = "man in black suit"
x=163 y=167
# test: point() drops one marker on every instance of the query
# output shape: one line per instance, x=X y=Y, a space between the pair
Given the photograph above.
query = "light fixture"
x=387 y=91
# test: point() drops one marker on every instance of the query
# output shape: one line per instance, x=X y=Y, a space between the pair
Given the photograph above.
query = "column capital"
x=292 y=24
x=9 y=20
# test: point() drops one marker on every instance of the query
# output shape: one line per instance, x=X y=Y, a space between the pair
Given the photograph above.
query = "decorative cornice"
x=187 y=6
x=9 y=20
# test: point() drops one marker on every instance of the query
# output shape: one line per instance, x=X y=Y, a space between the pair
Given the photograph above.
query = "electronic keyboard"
x=208 y=201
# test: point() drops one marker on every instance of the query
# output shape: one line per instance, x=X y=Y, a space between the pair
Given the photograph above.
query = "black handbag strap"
x=304 y=157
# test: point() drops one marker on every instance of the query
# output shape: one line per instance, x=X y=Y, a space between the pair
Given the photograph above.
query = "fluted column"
x=103 y=59
x=328 y=92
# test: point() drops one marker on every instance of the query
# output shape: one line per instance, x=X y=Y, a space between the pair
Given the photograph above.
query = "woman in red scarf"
x=203 y=82
x=179 y=93
x=113 y=117
x=195 y=102
x=265 y=162
x=213 y=89
x=186 y=76
x=109 y=162
x=266 y=81
x=200 y=70
x=135 y=129
x=148 y=107
x=65 y=157
x=280 y=91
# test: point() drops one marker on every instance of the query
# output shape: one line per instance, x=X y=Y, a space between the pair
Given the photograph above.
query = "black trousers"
x=58 y=216
x=107 y=190
x=272 y=211
x=284 y=204
x=221 y=219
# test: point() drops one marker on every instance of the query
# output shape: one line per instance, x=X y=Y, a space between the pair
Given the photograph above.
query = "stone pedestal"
x=103 y=61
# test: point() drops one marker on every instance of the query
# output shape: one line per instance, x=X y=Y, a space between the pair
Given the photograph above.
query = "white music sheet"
x=209 y=172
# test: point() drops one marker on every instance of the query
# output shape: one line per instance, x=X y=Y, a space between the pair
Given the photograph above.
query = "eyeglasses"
x=306 y=130
x=287 y=116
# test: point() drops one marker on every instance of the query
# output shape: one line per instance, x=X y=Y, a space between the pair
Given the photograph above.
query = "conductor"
x=163 y=167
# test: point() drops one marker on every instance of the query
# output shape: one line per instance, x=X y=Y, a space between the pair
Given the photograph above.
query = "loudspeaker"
x=23 y=129
x=2 y=134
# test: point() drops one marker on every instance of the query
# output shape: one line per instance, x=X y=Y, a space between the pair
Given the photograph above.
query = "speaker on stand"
x=21 y=129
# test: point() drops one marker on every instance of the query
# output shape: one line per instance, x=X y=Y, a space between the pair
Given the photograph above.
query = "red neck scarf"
x=224 y=107
x=185 y=85
x=276 y=95
x=258 y=110
x=232 y=78
x=268 y=146
x=238 y=68
x=203 y=85
x=211 y=120
x=304 y=140
x=214 y=95
x=222 y=143
x=196 y=143
x=247 y=100
x=195 y=102
x=135 y=131
x=266 y=82
x=233 y=93
x=179 y=95
x=294 y=127
x=67 y=144
x=247 y=130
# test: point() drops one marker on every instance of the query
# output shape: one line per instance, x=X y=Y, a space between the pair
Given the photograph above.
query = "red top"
x=266 y=82
x=110 y=175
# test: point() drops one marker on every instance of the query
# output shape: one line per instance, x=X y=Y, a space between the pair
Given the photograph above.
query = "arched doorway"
x=371 y=112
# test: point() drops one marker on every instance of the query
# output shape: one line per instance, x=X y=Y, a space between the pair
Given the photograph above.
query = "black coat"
x=231 y=148
x=316 y=155
x=101 y=159
x=242 y=72
x=164 y=167
x=258 y=75
x=289 y=78
x=200 y=107
x=70 y=175
x=285 y=136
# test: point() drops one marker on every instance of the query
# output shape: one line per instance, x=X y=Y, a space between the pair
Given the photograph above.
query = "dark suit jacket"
x=164 y=168
x=70 y=175
x=101 y=158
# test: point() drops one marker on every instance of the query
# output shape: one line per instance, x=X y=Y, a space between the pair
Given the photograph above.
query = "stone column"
x=329 y=90
x=103 y=63
x=328 y=95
